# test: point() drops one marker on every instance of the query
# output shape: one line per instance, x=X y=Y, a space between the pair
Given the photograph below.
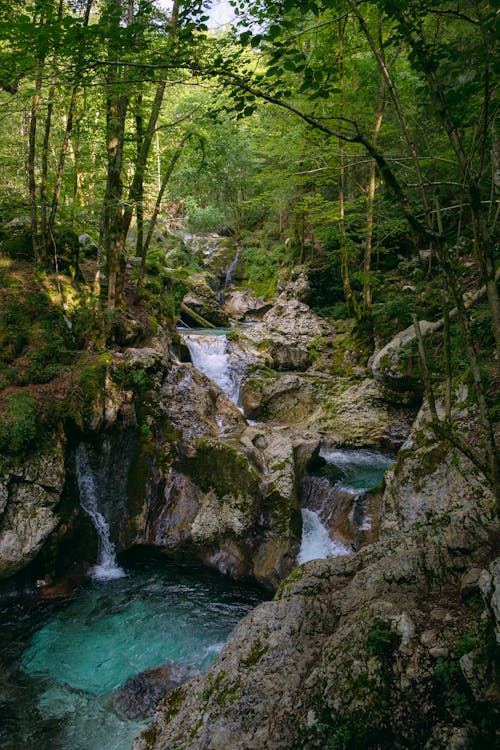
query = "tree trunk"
x=156 y=211
x=35 y=103
x=351 y=300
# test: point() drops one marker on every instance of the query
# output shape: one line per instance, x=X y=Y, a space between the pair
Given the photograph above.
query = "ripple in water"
x=109 y=632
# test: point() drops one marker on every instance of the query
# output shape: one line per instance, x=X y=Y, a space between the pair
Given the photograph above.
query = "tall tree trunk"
x=370 y=202
x=35 y=104
x=351 y=300
x=166 y=177
x=115 y=132
x=139 y=129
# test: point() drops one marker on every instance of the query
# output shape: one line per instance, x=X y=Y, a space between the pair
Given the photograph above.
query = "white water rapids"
x=316 y=543
x=212 y=355
x=107 y=567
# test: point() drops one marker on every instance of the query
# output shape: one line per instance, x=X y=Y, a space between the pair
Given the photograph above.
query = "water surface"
x=62 y=662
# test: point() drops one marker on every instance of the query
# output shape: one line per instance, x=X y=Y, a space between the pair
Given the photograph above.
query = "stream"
x=62 y=661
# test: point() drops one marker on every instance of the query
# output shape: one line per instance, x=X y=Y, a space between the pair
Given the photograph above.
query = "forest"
x=344 y=135
x=163 y=160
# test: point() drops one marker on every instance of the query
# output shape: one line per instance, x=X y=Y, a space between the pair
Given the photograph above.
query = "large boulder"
x=344 y=411
x=287 y=334
x=29 y=496
x=215 y=487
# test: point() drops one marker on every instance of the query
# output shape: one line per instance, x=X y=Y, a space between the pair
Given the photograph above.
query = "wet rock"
x=350 y=646
x=244 y=305
x=140 y=695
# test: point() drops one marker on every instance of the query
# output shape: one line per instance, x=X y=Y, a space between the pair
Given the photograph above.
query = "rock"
x=145 y=358
x=469 y=583
x=30 y=495
x=140 y=695
x=287 y=333
x=345 y=412
x=358 y=413
x=244 y=305
x=431 y=479
x=489 y=583
x=387 y=365
x=353 y=647
x=196 y=406
x=282 y=399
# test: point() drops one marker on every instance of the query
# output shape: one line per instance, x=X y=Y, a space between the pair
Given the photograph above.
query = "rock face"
x=29 y=496
x=361 y=651
x=203 y=299
x=227 y=492
x=286 y=334
x=349 y=411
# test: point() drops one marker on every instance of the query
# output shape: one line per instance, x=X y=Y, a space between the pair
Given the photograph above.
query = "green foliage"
x=203 y=218
x=263 y=265
x=19 y=423
x=35 y=341
x=381 y=640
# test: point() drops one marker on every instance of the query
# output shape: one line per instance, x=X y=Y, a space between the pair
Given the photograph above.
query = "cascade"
x=106 y=567
x=230 y=270
x=316 y=542
x=211 y=355
x=334 y=503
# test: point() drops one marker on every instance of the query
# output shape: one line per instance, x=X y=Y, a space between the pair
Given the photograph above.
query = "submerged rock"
x=140 y=695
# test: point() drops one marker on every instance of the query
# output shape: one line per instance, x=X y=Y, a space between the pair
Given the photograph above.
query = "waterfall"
x=212 y=356
x=316 y=542
x=106 y=567
x=230 y=270
x=335 y=503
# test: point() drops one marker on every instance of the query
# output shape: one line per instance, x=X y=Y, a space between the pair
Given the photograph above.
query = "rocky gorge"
x=392 y=644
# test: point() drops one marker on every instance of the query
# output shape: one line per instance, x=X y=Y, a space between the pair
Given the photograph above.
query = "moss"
x=19 y=424
x=254 y=654
x=283 y=514
x=381 y=641
x=220 y=467
x=172 y=703
x=150 y=736
x=294 y=577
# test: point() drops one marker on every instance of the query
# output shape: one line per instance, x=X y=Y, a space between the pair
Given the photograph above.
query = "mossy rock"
x=220 y=467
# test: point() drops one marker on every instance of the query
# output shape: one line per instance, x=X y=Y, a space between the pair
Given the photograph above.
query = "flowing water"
x=337 y=497
x=218 y=359
x=61 y=662
x=106 y=567
x=231 y=269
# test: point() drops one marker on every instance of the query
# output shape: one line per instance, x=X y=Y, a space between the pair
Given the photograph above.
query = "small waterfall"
x=210 y=355
x=230 y=270
x=106 y=567
x=316 y=542
x=335 y=503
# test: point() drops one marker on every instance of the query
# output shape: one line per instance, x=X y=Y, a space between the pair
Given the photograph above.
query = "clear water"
x=353 y=470
x=63 y=662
